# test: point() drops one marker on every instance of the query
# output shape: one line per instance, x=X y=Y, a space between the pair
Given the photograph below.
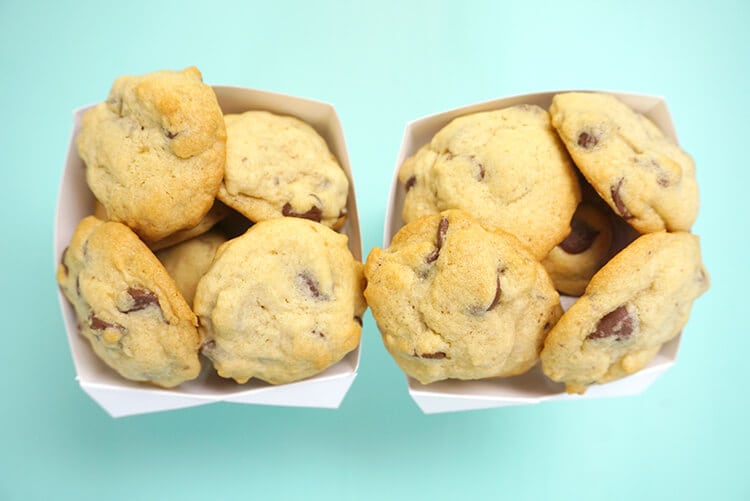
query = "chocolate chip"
x=498 y=292
x=581 y=237
x=141 y=299
x=313 y=214
x=435 y=356
x=587 y=141
x=97 y=323
x=310 y=286
x=619 y=204
x=318 y=333
x=171 y=135
x=479 y=176
x=441 y=234
x=618 y=323
x=358 y=320
x=410 y=183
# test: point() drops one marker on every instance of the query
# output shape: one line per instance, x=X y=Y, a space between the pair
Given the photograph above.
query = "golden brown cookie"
x=507 y=168
x=280 y=166
x=642 y=174
x=155 y=151
x=638 y=301
x=455 y=300
x=127 y=306
x=281 y=302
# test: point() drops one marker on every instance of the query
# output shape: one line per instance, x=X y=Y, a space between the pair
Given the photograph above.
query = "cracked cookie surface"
x=638 y=301
x=127 y=306
x=642 y=174
x=454 y=300
x=507 y=168
x=280 y=166
x=155 y=151
x=281 y=302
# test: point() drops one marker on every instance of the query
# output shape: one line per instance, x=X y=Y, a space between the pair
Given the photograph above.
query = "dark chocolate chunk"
x=310 y=286
x=435 y=356
x=313 y=214
x=498 y=292
x=410 y=183
x=617 y=199
x=618 y=323
x=171 y=135
x=441 y=234
x=97 y=323
x=142 y=299
x=480 y=168
x=587 y=141
x=581 y=237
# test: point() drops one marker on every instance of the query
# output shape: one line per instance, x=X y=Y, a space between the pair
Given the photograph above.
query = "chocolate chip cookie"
x=280 y=166
x=507 y=168
x=281 y=302
x=127 y=305
x=643 y=175
x=155 y=151
x=573 y=262
x=638 y=301
x=455 y=300
x=188 y=261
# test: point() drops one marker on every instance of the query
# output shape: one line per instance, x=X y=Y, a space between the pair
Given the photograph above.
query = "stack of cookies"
x=213 y=235
x=506 y=209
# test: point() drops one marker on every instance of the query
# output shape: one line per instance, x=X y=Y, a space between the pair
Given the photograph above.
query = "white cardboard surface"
x=120 y=397
x=532 y=387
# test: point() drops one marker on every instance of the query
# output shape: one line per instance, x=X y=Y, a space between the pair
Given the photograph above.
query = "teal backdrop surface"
x=381 y=64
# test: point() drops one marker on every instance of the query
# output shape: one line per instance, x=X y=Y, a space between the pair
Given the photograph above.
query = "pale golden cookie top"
x=281 y=302
x=641 y=173
x=155 y=151
x=507 y=168
x=280 y=166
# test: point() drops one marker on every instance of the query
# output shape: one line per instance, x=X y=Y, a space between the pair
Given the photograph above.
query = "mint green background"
x=381 y=64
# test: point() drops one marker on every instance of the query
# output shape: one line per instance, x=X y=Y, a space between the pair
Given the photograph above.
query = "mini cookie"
x=188 y=261
x=638 y=301
x=281 y=302
x=280 y=166
x=507 y=168
x=454 y=300
x=127 y=305
x=573 y=262
x=155 y=151
x=643 y=175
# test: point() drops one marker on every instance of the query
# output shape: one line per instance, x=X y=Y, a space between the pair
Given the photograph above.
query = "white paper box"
x=532 y=387
x=120 y=397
